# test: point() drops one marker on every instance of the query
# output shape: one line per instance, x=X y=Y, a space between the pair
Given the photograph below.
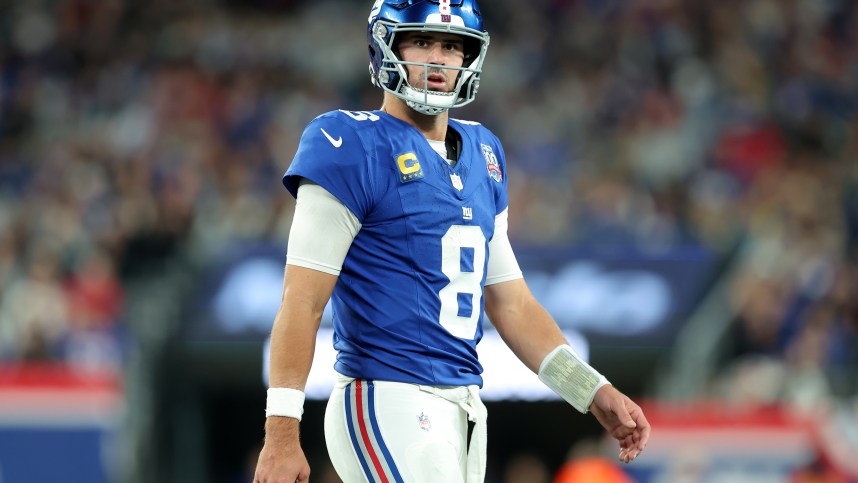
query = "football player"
x=401 y=222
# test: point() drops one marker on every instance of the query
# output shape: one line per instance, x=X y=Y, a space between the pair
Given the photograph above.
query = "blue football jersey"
x=408 y=303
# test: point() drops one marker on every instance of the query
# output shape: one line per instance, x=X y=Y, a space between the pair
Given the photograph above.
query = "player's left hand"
x=623 y=419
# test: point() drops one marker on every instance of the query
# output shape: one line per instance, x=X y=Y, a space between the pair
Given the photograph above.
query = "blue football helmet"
x=388 y=18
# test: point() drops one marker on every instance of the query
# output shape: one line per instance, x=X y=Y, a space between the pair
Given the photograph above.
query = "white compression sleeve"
x=322 y=231
x=503 y=265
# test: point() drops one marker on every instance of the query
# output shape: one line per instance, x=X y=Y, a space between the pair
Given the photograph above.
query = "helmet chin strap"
x=419 y=100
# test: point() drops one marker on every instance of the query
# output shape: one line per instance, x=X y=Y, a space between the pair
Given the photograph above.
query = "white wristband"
x=565 y=373
x=283 y=401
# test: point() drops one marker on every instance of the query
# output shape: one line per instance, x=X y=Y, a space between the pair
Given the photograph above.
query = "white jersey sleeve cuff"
x=322 y=231
x=503 y=265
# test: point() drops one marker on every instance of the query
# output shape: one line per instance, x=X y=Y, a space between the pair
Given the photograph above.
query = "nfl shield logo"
x=423 y=422
x=457 y=182
x=492 y=163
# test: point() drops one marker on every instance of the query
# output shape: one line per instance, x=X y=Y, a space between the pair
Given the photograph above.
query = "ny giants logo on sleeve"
x=492 y=163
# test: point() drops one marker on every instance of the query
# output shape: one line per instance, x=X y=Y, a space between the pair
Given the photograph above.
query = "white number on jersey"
x=461 y=244
x=361 y=115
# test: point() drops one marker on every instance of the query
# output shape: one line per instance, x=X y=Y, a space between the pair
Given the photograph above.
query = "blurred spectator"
x=591 y=470
x=817 y=471
x=588 y=463
x=94 y=293
x=526 y=468
x=34 y=311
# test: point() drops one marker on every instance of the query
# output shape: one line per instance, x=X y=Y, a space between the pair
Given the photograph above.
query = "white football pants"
x=380 y=431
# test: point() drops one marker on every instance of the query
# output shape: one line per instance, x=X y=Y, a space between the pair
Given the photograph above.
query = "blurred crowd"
x=132 y=131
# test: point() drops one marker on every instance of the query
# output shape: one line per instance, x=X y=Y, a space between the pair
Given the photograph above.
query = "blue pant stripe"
x=374 y=422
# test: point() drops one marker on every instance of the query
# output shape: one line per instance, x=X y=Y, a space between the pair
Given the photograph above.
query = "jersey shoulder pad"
x=327 y=143
x=332 y=153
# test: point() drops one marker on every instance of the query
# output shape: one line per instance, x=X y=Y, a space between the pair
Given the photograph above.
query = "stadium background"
x=683 y=195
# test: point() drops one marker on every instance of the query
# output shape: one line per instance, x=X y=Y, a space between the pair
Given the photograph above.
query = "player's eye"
x=453 y=46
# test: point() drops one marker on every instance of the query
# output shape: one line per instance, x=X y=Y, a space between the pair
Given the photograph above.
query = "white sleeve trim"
x=503 y=265
x=322 y=231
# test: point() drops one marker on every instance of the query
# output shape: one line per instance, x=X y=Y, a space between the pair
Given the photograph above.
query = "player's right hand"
x=282 y=460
